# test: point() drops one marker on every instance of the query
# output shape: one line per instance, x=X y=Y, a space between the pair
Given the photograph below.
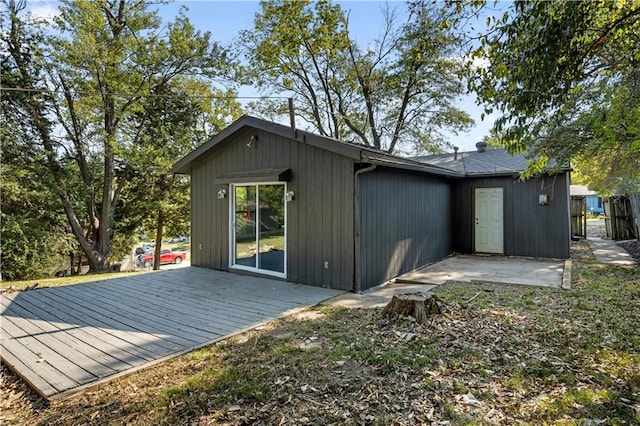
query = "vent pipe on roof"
x=455 y=152
x=481 y=146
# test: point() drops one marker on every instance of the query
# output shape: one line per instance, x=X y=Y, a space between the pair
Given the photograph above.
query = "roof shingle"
x=490 y=162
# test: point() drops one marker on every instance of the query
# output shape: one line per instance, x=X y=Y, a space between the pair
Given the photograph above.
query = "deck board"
x=187 y=297
x=34 y=348
x=103 y=351
x=95 y=336
x=63 y=339
x=206 y=317
x=143 y=345
x=61 y=342
x=185 y=302
x=150 y=319
x=26 y=366
x=220 y=289
x=126 y=327
x=128 y=314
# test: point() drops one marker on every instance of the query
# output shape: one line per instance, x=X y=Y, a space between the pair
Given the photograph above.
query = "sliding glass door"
x=258 y=228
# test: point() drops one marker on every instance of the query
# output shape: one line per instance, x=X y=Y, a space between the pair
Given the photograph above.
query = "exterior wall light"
x=289 y=196
x=222 y=194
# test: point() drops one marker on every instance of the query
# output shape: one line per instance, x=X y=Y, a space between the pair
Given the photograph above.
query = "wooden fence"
x=579 y=215
x=634 y=199
x=619 y=217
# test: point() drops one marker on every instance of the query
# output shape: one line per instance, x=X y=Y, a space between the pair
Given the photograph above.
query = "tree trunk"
x=71 y=263
x=79 y=265
x=420 y=306
x=158 y=247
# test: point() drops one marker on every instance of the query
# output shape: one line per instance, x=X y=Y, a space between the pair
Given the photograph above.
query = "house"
x=528 y=218
x=593 y=201
x=272 y=200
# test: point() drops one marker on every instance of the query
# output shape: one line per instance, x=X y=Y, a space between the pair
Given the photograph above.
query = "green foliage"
x=170 y=124
x=599 y=174
x=90 y=107
x=565 y=77
x=493 y=140
x=34 y=241
x=29 y=248
x=397 y=91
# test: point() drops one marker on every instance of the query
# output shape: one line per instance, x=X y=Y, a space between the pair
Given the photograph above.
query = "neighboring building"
x=272 y=200
x=594 y=202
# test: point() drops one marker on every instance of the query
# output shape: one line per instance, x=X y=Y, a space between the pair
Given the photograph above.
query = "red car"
x=166 y=256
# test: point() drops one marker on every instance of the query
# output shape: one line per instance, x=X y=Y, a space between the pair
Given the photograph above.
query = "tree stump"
x=420 y=306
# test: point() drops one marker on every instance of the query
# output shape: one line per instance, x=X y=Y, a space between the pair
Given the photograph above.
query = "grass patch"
x=64 y=281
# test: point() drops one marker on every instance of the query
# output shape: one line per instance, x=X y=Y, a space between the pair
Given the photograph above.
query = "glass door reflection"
x=259 y=228
x=245 y=226
x=271 y=219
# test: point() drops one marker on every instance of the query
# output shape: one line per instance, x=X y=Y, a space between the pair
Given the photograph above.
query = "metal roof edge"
x=183 y=165
x=403 y=163
x=353 y=151
x=463 y=158
x=550 y=172
x=492 y=174
x=329 y=144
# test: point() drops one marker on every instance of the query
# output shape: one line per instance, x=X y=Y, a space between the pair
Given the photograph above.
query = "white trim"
x=232 y=230
x=258 y=271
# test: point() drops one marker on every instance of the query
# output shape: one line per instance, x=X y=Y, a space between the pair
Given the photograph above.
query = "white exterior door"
x=489 y=226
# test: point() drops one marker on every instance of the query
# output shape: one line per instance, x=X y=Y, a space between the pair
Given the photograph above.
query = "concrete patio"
x=494 y=269
x=465 y=268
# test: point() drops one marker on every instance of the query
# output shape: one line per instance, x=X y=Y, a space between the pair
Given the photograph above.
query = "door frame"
x=474 y=217
x=232 y=231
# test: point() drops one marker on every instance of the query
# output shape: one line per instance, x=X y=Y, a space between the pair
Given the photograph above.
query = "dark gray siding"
x=405 y=223
x=209 y=219
x=530 y=229
x=319 y=220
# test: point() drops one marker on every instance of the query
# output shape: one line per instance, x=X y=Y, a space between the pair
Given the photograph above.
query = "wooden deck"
x=62 y=340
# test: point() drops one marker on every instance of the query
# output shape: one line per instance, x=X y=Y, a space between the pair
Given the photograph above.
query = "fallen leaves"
x=500 y=355
x=469 y=399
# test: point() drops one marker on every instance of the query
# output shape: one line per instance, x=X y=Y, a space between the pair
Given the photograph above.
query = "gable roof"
x=491 y=162
x=359 y=153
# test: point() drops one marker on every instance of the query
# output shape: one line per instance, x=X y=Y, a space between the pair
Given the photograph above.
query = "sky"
x=225 y=20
